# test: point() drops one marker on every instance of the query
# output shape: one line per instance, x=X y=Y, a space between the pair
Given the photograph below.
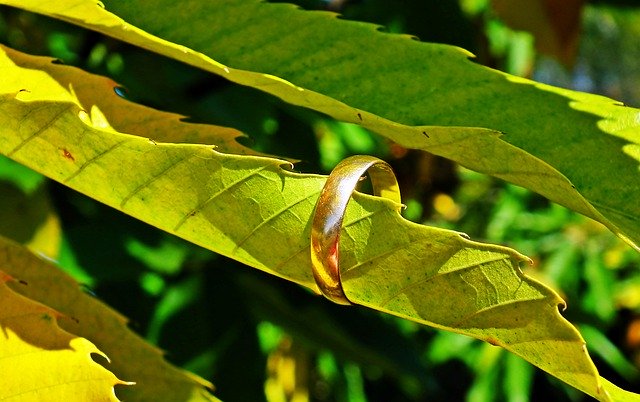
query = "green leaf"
x=131 y=358
x=579 y=150
x=250 y=209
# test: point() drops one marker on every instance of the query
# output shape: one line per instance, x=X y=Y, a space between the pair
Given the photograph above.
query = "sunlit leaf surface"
x=579 y=150
x=250 y=209
x=39 y=361
x=132 y=358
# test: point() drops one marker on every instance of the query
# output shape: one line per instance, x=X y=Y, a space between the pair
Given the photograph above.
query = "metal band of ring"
x=329 y=214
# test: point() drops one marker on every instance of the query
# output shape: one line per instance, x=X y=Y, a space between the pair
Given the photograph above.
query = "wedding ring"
x=329 y=214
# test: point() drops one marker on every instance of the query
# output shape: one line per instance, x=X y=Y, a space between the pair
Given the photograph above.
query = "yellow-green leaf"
x=132 y=358
x=250 y=209
x=39 y=361
x=577 y=149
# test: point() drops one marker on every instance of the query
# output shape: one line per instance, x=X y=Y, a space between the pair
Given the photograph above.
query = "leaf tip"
x=562 y=305
x=287 y=166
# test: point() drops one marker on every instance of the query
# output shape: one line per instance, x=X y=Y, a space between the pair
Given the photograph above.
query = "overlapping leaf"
x=29 y=219
x=131 y=357
x=579 y=150
x=250 y=209
x=39 y=360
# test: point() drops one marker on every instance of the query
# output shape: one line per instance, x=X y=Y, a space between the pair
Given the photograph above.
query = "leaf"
x=250 y=209
x=41 y=361
x=30 y=219
x=579 y=150
x=132 y=358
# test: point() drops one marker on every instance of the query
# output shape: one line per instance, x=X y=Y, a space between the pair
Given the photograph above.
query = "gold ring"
x=329 y=214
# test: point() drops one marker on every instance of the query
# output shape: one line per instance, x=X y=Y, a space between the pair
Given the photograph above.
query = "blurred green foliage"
x=258 y=338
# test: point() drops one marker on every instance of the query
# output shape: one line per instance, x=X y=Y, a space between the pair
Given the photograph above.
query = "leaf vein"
x=93 y=160
x=272 y=217
x=459 y=323
x=40 y=130
x=381 y=255
x=151 y=179
x=437 y=275
x=217 y=194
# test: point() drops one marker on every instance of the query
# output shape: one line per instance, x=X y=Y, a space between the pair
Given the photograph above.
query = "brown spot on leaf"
x=4 y=277
x=74 y=319
x=492 y=341
x=68 y=155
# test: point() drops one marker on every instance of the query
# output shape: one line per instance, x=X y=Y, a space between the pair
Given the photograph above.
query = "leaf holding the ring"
x=475 y=293
x=250 y=209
